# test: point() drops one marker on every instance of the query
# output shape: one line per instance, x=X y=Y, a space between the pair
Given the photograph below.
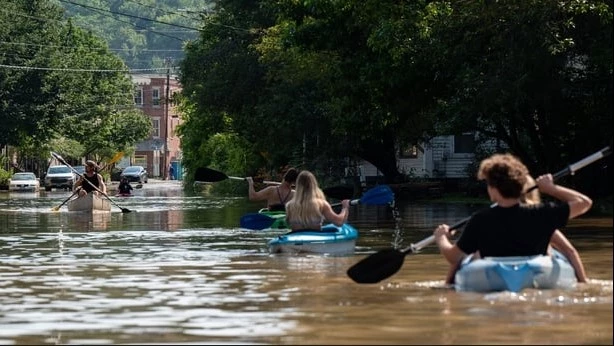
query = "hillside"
x=144 y=33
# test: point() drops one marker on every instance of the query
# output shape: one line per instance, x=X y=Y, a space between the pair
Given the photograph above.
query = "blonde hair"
x=304 y=208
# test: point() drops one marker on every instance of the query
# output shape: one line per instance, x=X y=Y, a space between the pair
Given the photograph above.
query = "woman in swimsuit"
x=309 y=207
x=276 y=196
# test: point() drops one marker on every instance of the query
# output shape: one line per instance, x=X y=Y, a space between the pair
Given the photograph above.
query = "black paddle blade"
x=377 y=267
x=125 y=210
x=209 y=175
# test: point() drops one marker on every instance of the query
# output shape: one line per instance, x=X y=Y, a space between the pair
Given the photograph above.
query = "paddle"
x=59 y=158
x=379 y=195
x=66 y=200
x=387 y=262
x=212 y=176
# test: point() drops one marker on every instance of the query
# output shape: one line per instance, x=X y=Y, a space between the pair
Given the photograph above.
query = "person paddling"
x=511 y=227
x=93 y=177
x=308 y=209
x=276 y=196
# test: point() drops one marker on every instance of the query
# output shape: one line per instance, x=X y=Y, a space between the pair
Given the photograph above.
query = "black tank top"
x=87 y=187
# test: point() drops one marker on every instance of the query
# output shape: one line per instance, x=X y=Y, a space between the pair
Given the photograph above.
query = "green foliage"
x=143 y=33
x=75 y=90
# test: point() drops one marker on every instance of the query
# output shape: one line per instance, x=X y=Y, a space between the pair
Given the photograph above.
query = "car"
x=24 y=181
x=135 y=174
x=59 y=177
x=80 y=169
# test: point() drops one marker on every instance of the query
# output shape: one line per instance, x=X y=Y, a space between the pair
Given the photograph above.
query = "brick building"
x=154 y=95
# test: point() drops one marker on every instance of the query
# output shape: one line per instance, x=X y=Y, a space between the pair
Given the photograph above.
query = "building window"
x=155 y=122
x=464 y=144
x=140 y=160
x=410 y=152
x=138 y=97
x=155 y=96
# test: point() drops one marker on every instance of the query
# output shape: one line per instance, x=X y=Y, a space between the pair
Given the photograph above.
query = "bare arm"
x=562 y=244
x=330 y=215
x=102 y=185
x=262 y=195
x=450 y=251
x=578 y=203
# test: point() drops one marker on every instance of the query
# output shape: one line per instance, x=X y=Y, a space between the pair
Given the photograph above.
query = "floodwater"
x=178 y=270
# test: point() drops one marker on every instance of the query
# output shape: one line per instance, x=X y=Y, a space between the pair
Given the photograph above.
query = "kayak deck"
x=331 y=239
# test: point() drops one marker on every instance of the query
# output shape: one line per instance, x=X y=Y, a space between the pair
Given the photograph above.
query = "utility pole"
x=167 y=62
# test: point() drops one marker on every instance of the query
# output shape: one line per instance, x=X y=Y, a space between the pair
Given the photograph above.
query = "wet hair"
x=291 y=175
x=504 y=172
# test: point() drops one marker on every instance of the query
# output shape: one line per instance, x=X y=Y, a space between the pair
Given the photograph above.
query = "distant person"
x=511 y=227
x=90 y=181
x=124 y=187
x=308 y=209
x=171 y=172
x=275 y=196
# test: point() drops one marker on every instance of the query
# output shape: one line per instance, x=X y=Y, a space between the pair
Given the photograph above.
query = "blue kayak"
x=514 y=274
x=331 y=239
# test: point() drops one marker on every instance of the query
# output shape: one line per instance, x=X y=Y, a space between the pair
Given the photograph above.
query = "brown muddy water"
x=179 y=270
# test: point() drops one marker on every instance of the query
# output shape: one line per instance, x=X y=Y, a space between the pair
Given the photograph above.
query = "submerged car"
x=59 y=177
x=24 y=181
x=135 y=174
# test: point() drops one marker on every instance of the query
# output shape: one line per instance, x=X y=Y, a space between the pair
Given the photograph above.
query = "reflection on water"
x=179 y=270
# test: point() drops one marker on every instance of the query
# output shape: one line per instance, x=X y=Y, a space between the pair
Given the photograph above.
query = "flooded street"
x=178 y=270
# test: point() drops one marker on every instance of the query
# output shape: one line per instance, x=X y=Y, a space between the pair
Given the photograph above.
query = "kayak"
x=89 y=203
x=514 y=274
x=331 y=239
x=264 y=219
x=279 y=217
x=124 y=195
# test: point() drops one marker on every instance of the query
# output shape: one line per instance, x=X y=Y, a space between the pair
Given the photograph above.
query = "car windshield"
x=61 y=169
x=80 y=169
x=132 y=169
x=23 y=176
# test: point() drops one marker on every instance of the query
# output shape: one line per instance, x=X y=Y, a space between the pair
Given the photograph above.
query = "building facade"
x=161 y=151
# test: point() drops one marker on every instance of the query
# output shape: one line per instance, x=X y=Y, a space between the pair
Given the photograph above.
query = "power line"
x=129 y=15
x=80 y=70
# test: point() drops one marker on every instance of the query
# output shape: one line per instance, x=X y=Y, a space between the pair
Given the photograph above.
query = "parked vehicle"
x=135 y=174
x=80 y=169
x=59 y=177
x=24 y=181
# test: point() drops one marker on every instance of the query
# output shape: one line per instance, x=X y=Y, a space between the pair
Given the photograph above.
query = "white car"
x=24 y=181
x=59 y=177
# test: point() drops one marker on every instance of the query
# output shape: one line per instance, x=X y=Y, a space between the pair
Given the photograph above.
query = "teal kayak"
x=514 y=274
x=331 y=239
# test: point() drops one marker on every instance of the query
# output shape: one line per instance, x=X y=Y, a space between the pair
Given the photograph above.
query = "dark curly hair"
x=506 y=173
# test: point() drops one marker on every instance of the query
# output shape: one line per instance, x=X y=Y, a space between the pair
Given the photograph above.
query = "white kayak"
x=514 y=274
x=89 y=203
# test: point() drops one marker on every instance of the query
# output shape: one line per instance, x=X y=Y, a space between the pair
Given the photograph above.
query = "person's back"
x=509 y=228
x=309 y=207
x=275 y=196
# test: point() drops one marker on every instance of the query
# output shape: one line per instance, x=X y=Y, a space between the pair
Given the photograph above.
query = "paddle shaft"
x=66 y=200
x=61 y=159
x=571 y=169
x=268 y=182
